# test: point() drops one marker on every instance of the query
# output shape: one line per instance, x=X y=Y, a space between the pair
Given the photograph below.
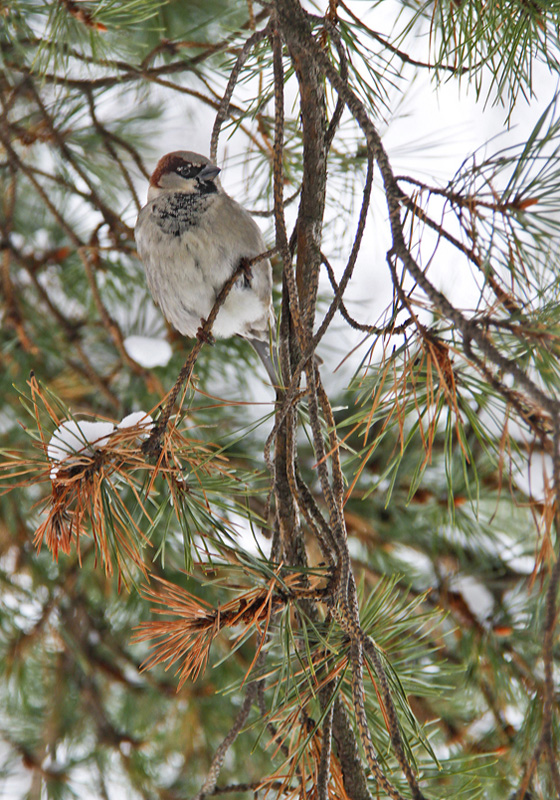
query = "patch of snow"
x=534 y=477
x=139 y=418
x=77 y=437
x=148 y=351
x=85 y=437
x=477 y=597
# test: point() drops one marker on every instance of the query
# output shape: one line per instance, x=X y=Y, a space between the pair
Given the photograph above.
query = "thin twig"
x=223 y=109
x=215 y=768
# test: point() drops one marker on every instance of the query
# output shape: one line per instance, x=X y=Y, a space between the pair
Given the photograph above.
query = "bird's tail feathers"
x=262 y=348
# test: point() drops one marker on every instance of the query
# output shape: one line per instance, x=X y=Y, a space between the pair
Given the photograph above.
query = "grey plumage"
x=191 y=236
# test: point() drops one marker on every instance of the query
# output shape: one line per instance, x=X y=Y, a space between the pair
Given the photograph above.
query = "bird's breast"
x=190 y=246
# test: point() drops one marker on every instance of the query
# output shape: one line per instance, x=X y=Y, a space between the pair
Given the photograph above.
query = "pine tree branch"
x=209 y=784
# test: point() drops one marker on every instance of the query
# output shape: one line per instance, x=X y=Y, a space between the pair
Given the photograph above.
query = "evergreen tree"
x=334 y=588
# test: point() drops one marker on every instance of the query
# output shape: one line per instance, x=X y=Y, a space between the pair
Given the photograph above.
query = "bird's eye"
x=187 y=171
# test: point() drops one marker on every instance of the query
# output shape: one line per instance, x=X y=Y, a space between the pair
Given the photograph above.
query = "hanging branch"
x=289 y=531
x=296 y=30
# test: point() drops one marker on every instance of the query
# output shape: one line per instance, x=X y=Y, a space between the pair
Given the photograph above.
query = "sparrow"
x=191 y=237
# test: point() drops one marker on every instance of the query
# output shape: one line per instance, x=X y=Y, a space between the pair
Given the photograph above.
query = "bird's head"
x=182 y=171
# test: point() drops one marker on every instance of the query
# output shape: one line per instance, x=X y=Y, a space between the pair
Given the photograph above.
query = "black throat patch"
x=177 y=211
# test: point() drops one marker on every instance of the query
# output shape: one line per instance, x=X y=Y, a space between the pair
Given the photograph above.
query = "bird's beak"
x=208 y=173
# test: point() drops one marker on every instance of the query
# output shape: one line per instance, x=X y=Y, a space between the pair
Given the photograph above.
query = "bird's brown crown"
x=173 y=161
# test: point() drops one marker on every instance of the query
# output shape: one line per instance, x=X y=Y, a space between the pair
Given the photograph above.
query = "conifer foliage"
x=349 y=588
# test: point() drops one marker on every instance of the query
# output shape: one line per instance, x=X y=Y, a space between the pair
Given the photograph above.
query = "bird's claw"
x=204 y=336
x=245 y=267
